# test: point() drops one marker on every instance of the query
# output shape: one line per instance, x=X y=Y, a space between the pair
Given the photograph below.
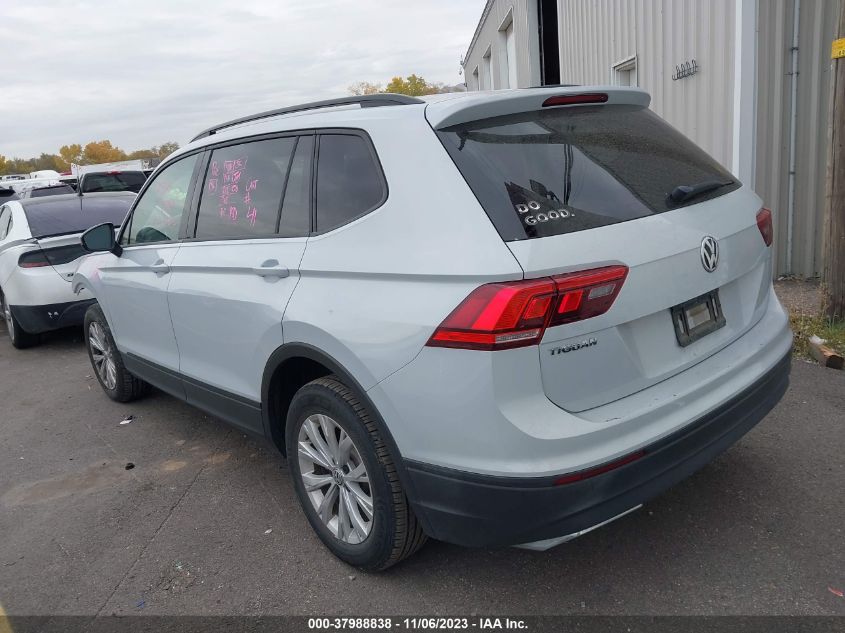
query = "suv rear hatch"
x=585 y=181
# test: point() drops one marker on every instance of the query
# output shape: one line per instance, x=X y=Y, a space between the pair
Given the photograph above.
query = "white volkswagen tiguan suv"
x=488 y=318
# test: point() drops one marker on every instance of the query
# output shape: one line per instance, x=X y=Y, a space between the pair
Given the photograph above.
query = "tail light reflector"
x=764 y=223
x=516 y=314
x=598 y=470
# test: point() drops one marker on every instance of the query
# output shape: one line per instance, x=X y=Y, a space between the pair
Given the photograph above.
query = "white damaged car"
x=39 y=253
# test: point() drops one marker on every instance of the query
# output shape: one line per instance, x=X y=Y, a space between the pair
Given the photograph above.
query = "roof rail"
x=365 y=101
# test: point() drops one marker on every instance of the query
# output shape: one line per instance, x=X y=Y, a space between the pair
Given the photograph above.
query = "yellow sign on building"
x=838 y=49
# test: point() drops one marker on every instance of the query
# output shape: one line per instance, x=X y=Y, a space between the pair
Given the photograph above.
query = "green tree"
x=49 y=161
x=161 y=151
x=141 y=154
x=71 y=153
x=101 y=152
x=166 y=149
x=413 y=85
x=18 y=166
x=94 y=152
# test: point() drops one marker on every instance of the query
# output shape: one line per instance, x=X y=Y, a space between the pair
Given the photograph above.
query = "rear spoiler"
x=484 y=105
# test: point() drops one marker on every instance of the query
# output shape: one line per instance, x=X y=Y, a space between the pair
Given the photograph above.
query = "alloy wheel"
x=102 y=355
x=335 y=479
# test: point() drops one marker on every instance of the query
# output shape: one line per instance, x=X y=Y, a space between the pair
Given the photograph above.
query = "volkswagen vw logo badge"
x=709 y=253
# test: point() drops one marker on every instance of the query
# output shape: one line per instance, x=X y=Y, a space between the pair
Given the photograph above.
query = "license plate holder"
x=696 y=318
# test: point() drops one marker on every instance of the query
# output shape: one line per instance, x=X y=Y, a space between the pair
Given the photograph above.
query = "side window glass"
x=296 y=208
x=242 y=191
x=349 y=181
x=158 y=213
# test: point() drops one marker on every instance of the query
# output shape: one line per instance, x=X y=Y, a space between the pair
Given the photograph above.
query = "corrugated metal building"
x=756 y=96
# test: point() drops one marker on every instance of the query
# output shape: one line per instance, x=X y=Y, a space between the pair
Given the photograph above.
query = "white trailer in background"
x=140 y=164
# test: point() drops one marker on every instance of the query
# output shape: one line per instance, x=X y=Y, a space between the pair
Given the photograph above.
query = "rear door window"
x=349 y=180
x=570 y=169
x=242 y=191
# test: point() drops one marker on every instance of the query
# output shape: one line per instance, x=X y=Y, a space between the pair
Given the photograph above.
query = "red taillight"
x=764 y=223
x=33 y=259
x=587 y=294
x=562 y=100
x=516 y=314
x=598 y=470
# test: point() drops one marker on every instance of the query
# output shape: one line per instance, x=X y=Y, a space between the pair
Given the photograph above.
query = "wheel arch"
x=311 y=363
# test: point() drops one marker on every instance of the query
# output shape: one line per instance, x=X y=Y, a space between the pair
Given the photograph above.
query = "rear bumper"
x=481 y=510
x=37 y=319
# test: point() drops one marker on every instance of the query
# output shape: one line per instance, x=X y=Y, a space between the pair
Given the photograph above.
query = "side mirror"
x=100 y=239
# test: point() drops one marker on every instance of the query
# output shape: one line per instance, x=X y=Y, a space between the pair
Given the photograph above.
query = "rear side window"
x=242 y=192
x=349 y=180
x=570 y=169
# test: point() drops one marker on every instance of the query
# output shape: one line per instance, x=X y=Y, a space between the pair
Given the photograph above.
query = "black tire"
x=126 y=386
x=395 y=532
x=20 y=338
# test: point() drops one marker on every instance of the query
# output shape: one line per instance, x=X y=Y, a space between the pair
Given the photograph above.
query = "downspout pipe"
x=793 y=134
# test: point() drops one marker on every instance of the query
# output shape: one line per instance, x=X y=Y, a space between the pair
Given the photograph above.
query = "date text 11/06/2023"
x=235 y=192
x=417 y=623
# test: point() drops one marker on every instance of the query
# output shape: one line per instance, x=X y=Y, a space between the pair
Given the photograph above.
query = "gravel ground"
x=799 y=297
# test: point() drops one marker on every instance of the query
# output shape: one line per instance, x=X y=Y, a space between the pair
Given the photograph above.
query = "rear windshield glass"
x=570 y=169
x=57 y=215
x=118 y=181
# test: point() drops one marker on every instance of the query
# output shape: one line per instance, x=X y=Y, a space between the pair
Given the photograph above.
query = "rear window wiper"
x=685 y=193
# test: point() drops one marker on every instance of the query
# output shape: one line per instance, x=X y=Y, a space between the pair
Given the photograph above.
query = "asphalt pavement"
x=205 y=521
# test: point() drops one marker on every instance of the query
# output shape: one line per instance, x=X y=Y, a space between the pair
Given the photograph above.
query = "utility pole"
x=834 y=216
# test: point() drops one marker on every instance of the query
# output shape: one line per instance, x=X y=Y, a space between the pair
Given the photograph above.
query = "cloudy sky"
x=140 y=73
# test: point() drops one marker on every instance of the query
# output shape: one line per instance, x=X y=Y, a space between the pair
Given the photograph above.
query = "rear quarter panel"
x=14 y=245
x=86 y=281
x=372 y=292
